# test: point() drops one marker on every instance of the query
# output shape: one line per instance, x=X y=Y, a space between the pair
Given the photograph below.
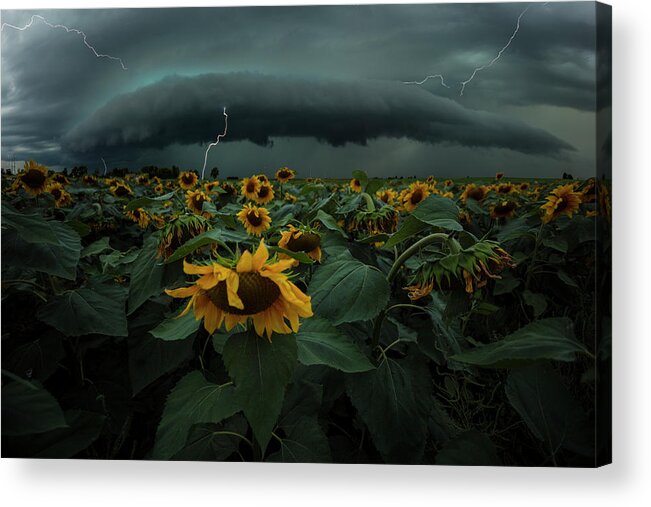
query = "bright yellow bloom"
x=476 y=192
x=290 y=197
x=210 y=186
x=33 y=178
x=188 y=180
x=255 y=220
x=297 y=240
x=414 y=195
x=387 y=195
x=61 y=197
x=194 y=200
x=284 y=174
x=139 y=216
x=355 y=185
x=563 y=200
x=265 y=194
x=250 y=187
x=503 y=209
x=120 y=189
x=254 y=289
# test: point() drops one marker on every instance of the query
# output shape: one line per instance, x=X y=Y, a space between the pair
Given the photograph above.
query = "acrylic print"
x=349 y=234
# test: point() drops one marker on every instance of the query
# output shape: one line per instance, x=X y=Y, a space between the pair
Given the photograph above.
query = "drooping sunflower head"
x=355 y=185
x=265 y=194
x=188 y=179
x=139 y=216
x=62 y=198
x=252 y=287
x=291 y=198
x=284 y=174
x=414 y=195
x=383 y=220
x=589 y=191
x=194 y=200
x=563 y=200
x=120 y=189
x=255 y=220
x=303 y=239
x=387 y=195
x=33 y=178
x=476 y=192
x=503 y=209
x=499 y=176
x=250 y=187
x=178 y=231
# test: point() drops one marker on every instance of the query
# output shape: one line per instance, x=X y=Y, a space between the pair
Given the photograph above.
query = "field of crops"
x=280 y=319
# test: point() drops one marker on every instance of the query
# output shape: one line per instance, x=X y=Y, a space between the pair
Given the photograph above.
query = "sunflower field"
x=280 y=319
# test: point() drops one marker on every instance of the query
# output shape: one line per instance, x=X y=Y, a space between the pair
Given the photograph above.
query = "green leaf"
x=85 y=311
x=373 y=186
x=439 y=212
x=32 y=228
x=505 y=285
x=385 y=401
x=556 y=242
x=551 y=339
x=213 y=442
x=260 y=370
x=219 y=236
x=409 y=228
x=514 y=230
x=347 y=291
x=299 y=256
x=544 y=403
x=147 y=275
x=141 y=202
x=97 y=247
x=176 y=328
x=329 y=222
x=28 y=408
x=319 y=342
x=536 y=301
x=305 y=442
x=470 y=448
x=566 y=279
x=193 y=400
x=83 y=429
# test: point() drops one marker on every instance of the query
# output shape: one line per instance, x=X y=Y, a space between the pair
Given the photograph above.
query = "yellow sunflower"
x=262 y=178
x=120 y=189
x=250 y=187
x=524 y=186
x=89 y=179
x=194 y=200
x=476 y=192
x=387 y=195
x=290 y=197
x=448 y=183
x=159 y=189
x=60 y=178
x=188 y=180
x=503 y=209
x=414 y=195
x=255 y=220
x=265 y=194
x=563 y=200
x=61 y=197
x=298 y=240
x=33 y=178
x=284 y=174
x=504 y=188
x=210 y=186
x=355 y=185
x=143 y=179
x=253 y=289
x=499 y=176
x=139 y=216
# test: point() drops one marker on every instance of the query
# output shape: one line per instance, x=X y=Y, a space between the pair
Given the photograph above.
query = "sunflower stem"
x=370 y=205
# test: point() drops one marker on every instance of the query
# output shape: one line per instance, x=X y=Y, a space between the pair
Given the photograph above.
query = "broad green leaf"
x=567 y=279
x=347 y=291
x=556 y=242
x=329 y=222
x=147 y=275
x=515 y=229
x=219 y=236
x=213 y=442
x=83 y=429
x=409 y=228
x=305 y=442
x=97 y=247
x=319 y=342
x=385 y=401
x=32 y=228
x=536 y=301
x=142 y=202
x=373 y=186
x=176 y=328
x=28 y=408
x=470 y=448
x=506 y=284
x=544 y=403
x=260 y=371
x=299 y=256
x=551 y=339
x=85 y=311
x=193 y=400
x=439 y=212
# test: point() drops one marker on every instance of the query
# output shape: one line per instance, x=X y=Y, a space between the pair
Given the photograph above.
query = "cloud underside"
x=188 y=110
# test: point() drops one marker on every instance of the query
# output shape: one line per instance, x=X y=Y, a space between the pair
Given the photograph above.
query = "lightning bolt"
x=68 y=30
x=483 y=67
x=105 y=168
x=219 y=136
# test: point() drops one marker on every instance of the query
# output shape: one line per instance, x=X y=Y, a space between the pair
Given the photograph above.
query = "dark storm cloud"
x=187 y=110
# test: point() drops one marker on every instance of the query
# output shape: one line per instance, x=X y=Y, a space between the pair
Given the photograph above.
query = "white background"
x=625 y=483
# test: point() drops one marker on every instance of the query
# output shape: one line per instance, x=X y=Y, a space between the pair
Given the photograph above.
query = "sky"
x=323 y=89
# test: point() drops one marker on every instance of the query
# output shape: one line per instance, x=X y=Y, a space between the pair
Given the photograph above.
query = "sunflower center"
x=263 y=192
x=416 y=196
x=477 y=194
x=505 y=207
x=254 y=218
x=121 y=191
x=561 y=204
x=256 y=292
x=187 y=178
x=250 y=187
x=306 y=242
x=56 y=193
x=33 y=178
